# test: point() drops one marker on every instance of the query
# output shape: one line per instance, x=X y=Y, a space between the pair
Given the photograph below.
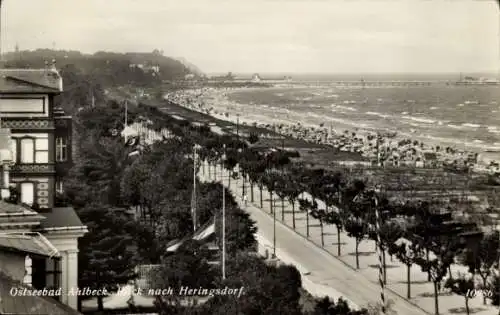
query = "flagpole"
x=223 y=221
x=125 y=124
x=193 y=205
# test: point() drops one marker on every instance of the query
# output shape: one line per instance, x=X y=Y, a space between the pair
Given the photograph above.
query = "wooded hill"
x=110 y=66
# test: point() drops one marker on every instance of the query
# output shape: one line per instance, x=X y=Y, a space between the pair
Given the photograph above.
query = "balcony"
x=33 y=168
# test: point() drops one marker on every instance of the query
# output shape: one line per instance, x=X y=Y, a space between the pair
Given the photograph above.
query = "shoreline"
x=217 y=103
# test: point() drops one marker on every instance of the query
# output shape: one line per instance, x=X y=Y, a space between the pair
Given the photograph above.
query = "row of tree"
x=136 y=205
x=415 y=232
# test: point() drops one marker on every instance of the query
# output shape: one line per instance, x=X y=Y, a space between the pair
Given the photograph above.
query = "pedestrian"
x=245 y=199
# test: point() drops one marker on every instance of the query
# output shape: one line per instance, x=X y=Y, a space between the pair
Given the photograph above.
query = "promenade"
x=321 y=265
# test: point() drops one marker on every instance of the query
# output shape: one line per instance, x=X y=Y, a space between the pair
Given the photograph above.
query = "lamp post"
x=380 y=256
x=238 y=126
x=193 y=197
x=223 y=220
x=274 y=232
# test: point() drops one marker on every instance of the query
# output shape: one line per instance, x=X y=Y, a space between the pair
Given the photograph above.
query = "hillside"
x=86 y=77
x=113 y=67
x=192 y=68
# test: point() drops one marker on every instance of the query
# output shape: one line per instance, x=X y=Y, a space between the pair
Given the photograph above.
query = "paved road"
x=322 y=266
x=422 y=291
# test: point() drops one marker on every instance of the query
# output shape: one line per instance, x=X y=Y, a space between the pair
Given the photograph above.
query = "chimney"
x=52 y=72
x=58 y=112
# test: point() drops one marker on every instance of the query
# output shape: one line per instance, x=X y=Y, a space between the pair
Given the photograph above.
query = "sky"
x=270 y=36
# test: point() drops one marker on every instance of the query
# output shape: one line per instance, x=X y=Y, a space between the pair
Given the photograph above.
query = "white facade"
x=66 y=242
x=36 y=105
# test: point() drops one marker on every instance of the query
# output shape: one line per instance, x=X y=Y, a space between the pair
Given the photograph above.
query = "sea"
x=466 y=116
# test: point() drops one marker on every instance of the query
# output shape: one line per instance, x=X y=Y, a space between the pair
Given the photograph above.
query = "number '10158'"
x=475 y=292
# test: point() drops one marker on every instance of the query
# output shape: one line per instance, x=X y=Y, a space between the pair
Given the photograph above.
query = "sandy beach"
x=216 y=103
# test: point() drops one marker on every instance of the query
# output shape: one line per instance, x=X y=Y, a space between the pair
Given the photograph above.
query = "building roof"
x=32 y=243
x=10 y=304
x=201 y=234
x=30 y=81
x=11 y=208
x=60 y=217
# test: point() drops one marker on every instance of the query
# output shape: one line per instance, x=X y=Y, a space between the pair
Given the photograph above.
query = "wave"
x=434 y=107
x=454 y=126
x=422 y=120
x=352 y=109
x=471 y=125
x=349 y=102
x=493 y=129
x=377 y=114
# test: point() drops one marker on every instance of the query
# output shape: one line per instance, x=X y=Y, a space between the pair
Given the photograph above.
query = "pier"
x=368 y=83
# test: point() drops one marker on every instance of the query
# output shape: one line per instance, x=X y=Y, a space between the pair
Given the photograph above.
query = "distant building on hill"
x=145 y=67
x=256 y=78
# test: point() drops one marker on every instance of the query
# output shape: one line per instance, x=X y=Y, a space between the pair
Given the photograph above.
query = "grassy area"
x=268 y=138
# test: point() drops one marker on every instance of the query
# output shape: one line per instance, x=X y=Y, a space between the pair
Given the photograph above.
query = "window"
x=27 y=150
x=42 y=150
x=59 y=186
x=32 y=150
x=61 y=149
x=13 y=148
x=53 y=273
x=27 y=193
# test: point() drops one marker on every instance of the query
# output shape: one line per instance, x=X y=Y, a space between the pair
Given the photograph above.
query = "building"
x=256 y=78
x=38 y=239
x=154 y=69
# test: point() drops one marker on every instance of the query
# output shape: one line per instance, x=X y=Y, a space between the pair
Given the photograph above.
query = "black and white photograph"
x=250 y=157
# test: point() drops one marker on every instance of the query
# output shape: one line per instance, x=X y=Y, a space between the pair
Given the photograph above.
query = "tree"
x=482 y=260
x=437 y=268
x=253 y=138
x=494 y=287
x=100 y=166
x=357 y=228
x=271 y=180
x=183 y=268
x=281 y=191
x=336 y=219
x=267 y=289
x=320 y=215
x=306 y=206
x=292 y=193
x=229 y=163
x=376 y=308
x=463 y=286
x=389 y=233
x=107 y=252
x=408 y=254
x=325 y=306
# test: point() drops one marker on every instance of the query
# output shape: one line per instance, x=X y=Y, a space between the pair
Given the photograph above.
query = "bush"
x=253 y=138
